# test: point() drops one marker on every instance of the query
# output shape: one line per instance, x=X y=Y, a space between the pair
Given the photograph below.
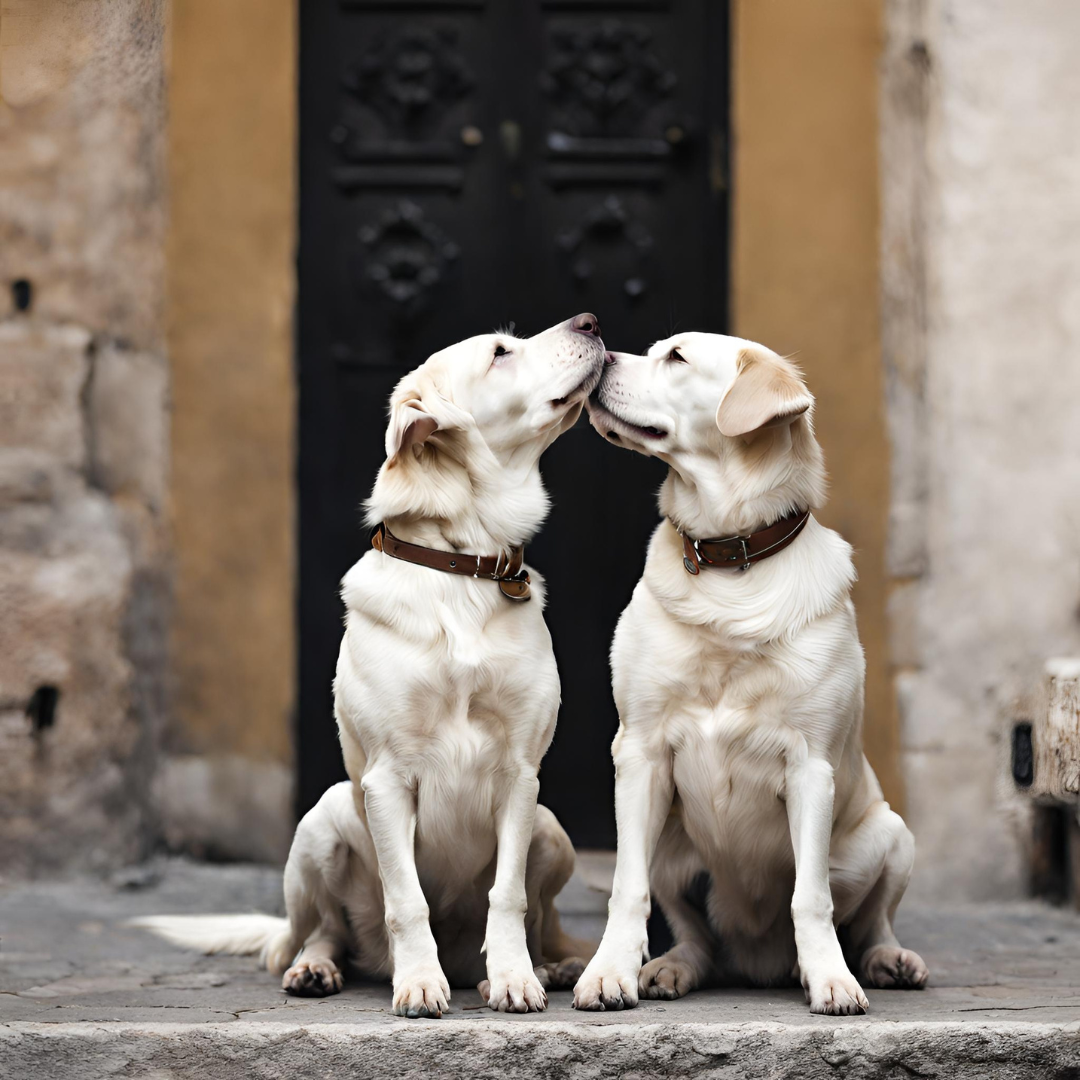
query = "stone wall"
x=83 y=430
x=980 y=331
x=981 y=339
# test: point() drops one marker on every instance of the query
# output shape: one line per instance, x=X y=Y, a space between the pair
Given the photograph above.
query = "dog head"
x=694 y=390
x=512 y=395
x=468 y=426
x=729 y=416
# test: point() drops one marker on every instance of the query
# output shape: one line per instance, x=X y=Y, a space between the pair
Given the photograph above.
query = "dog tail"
x=236 y=935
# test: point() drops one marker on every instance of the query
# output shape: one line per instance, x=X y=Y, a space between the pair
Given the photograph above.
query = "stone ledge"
x=523 y=1047
x=84 y=996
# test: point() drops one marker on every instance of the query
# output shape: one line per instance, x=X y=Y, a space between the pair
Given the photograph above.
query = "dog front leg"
x=512 y=985
x=643 y=793
x=420 y=987
x=829 y=986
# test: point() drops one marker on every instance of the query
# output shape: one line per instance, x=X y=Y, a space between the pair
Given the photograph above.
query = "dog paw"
x=561 y=975
x=421 y=994
x=514 y=992
x=666 y=978
x=890 y=967
x=567 y=972
x=312 y=978
x=835 y=995
x=605 y=989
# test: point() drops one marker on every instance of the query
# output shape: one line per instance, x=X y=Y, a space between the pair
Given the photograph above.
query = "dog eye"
x=499 y=351
x=676 y=357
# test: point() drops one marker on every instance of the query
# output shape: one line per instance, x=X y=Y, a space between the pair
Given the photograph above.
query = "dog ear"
x=410 y=425
x=767 y=392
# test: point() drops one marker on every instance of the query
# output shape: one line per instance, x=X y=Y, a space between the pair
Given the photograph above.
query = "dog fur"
x=446 y=698
x=740 y=696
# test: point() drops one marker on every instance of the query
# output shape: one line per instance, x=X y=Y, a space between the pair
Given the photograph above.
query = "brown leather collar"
x=506 y=570
x=739 y=552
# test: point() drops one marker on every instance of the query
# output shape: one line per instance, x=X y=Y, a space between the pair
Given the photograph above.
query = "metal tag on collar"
x=691 y=556
x=516 y=587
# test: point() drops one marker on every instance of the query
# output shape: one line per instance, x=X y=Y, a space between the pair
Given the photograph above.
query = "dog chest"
x=728 y=804
x=729 y=766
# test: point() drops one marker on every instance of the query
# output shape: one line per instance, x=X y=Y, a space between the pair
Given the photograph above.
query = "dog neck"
x=747 y=485
x=472 y=503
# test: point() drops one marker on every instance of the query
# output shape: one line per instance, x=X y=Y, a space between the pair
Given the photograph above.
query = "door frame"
x=249 y=199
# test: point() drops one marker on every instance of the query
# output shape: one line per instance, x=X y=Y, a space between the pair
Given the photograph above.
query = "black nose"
x=586 y=323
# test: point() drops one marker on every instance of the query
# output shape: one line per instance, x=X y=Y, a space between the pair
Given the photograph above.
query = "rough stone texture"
x=81 y=210
x=981 y=203
x=83 y=429
x=631 y=1049
x=76 y=570
x=128 y=403
x=64 y=795
x=225 y=806
x=81 y=995
x=43 y=372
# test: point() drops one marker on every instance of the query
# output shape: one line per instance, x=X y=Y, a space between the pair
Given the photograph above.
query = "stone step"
x=628 y=1046
x=82 y=996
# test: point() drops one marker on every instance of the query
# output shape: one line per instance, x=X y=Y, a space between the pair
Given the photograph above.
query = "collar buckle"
x=736 y=552
x=745 y=556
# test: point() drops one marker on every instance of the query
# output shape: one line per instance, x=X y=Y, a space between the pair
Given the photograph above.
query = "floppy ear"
x=410 y=425
x=767 y=392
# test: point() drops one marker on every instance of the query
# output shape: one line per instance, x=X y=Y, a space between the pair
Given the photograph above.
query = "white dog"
x=740 y=694
x=446 y=698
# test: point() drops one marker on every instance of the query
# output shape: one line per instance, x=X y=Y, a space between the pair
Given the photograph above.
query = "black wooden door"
x=466 y=165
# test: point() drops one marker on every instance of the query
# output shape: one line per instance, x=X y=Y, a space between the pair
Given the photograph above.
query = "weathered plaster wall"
x=225 y=784
x=805 y=271
x=981 y=305
x=83 y=429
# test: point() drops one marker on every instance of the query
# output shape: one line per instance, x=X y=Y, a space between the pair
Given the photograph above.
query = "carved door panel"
x=467 y=164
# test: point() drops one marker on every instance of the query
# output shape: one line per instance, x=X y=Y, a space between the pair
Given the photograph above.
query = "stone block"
x=26 y=476
x=69 y=774
x=226 y=806
x=953 y=796
x=82 y=214
x=42 y=374
x=84 y=585
x=128 y=403
x=905 y=642
x=1056 y=734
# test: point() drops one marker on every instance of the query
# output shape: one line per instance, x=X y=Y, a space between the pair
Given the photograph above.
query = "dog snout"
x=612 y=358
x=586 y=323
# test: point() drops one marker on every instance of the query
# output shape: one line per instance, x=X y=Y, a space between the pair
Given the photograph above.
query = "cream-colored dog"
x=446 y=698
x=740 y=696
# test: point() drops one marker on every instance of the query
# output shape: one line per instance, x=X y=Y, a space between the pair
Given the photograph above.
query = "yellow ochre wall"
x=805 y=270
x=232 y=165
